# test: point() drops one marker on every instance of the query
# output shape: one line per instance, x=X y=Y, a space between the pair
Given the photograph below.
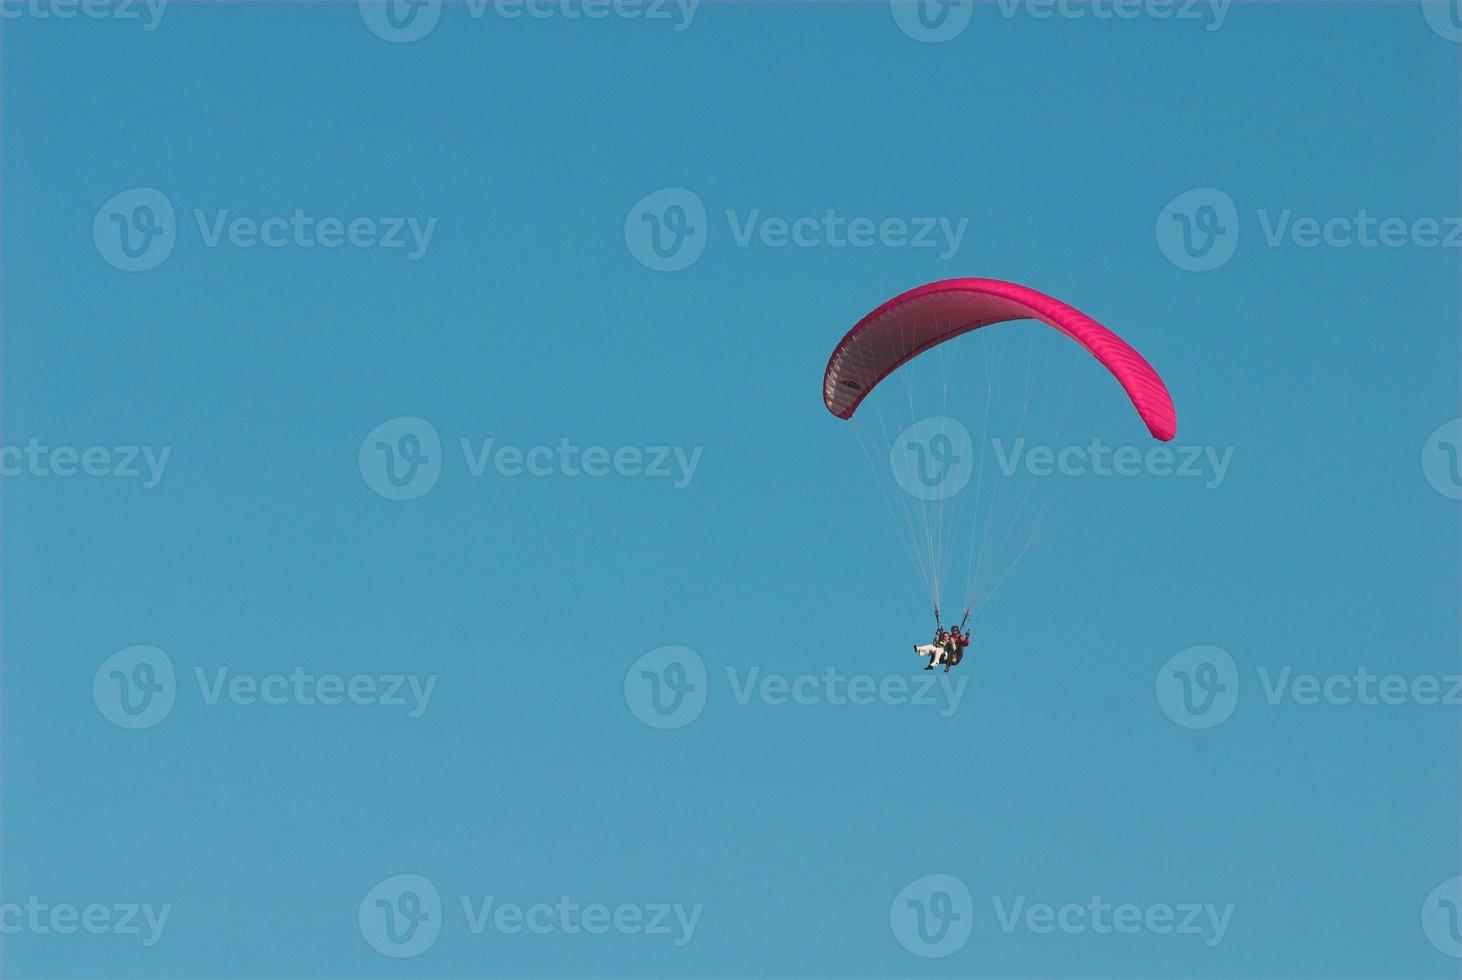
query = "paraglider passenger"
x=936 y=651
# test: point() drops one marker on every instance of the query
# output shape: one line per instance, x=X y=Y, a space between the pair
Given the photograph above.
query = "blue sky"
x=260 y=541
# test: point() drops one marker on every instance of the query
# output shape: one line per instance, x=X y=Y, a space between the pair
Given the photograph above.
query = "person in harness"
x=958 y=643
x=937 y=651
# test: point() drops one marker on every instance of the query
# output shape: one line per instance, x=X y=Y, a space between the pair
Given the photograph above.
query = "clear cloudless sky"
x=530 y=319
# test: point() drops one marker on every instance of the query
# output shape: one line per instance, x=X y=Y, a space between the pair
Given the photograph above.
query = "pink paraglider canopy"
x=921 y=318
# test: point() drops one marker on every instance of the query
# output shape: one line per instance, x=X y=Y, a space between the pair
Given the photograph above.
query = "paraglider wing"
x=921 y=318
